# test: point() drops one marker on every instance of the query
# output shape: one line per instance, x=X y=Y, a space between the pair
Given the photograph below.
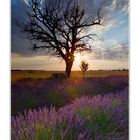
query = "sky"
x=110 y=50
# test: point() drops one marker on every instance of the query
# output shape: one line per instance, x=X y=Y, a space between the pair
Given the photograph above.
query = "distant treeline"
x=63 y=71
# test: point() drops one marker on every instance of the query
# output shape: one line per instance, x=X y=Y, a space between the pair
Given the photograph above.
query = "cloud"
x=120 y=5
x=36 y=62
x=110 y=50
x=98 y=64
x=53 y=63
x=107 y=25
x=115 y=14
x=116 y=5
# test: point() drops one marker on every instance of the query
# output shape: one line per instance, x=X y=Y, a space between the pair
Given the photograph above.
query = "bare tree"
x=57 y=25
x=84 y=67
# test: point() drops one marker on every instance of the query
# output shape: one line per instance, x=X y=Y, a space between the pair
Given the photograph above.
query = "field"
x=90 y=108
x=27 y=74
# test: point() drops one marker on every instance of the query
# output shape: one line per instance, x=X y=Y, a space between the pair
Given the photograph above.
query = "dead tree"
x=57 y=25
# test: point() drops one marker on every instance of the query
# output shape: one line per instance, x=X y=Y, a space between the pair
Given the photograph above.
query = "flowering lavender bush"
x=101 y=117
x=29 y=94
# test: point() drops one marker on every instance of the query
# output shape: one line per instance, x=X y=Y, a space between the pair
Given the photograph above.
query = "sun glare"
x=78 y=57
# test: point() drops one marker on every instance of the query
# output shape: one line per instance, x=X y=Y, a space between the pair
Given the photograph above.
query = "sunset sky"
x=109 y=51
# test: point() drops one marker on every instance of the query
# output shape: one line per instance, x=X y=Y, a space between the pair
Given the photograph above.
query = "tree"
x=84 y=67
x=57 y=25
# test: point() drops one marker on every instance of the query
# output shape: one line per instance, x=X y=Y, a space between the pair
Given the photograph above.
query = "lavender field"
x=70 y=109
x=33 y=93
x=100 y=117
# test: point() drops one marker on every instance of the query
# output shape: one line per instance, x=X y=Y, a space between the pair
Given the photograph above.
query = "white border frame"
x=134 y=94
x=5 y=70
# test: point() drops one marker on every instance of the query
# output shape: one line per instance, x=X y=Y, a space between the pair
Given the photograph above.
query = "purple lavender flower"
x=86 y=118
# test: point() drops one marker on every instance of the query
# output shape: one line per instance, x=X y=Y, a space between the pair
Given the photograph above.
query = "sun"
x=77 y=57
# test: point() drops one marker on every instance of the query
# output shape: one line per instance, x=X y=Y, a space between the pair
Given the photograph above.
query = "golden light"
x=78 y=57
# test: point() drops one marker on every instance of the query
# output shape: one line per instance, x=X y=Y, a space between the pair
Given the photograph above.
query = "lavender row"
x=101 y=117
x=29 y=94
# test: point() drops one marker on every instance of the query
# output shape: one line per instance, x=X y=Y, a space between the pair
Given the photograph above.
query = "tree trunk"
x=83 y=74
x=68 y=68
